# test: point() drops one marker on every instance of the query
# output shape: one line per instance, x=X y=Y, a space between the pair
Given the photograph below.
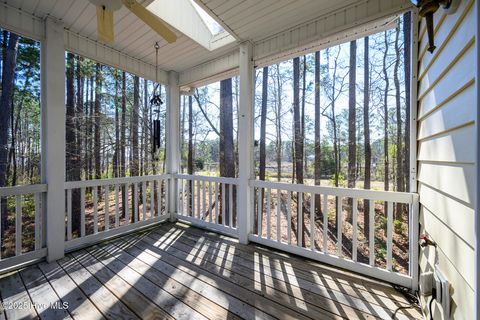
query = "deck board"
x=175 y=271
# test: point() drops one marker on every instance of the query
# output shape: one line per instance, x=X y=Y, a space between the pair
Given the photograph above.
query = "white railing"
x=23 y=205
x=331 y=231
x=114 y=206
x=208 y=202
x=322 y=223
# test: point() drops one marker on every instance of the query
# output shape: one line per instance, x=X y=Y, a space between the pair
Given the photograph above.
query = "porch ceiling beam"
x=33 y=27
x=334 y=27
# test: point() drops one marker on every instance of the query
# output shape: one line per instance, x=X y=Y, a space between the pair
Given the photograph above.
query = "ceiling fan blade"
x=104 y=25
x=151 y=20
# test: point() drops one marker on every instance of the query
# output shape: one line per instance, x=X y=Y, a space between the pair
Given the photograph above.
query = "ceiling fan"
x=105 y=9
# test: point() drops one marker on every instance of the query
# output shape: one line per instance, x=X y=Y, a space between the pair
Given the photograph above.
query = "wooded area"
x=336 y=117
x=109 y=124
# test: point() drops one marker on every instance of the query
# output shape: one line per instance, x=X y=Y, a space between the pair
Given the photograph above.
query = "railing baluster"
x=216 y=202
x=223 y=204
x=340 y=226
x=279 y=211
x=144 y=200
x=192 y=196
x=38 y=217
x=159 y=197
x=135 y=202
x=269 y=209
x=117 y=207
x=69 y=214
x=167 y=192
x=230 y=202
x=325 y=223
x=259 y=211
x=389 y=235
x=355 y=229
x=204 y=197
x=18 y=225
x=95 y=210
x=181 y=197
x=312 y=221
x=371 y=236
x=199 y=197
x=210 y=201
x=289 y=217
x=152 y=199
x=299 y=219
x=106 y=209
x=125 y=205
x=82 y=212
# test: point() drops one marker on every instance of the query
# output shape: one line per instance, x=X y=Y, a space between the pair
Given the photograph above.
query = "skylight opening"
x=214 y=27
x=190 y=19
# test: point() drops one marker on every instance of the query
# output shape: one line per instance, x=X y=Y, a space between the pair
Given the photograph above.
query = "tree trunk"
x=366 y=132
x=399 y=149
x=352 y=124
x=279 y=125
x=96 y=142
x=116 y=154
x=263 y=125
x=227 y=152
x=407 y=21
x=385 y=123
x=8 y=76
x=190 y=154
x=318 y=158
x=123 y=133
x=134 y=166
x=298 y=138
x=302 y=115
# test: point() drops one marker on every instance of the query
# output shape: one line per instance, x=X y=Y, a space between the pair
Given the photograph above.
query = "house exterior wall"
x=446 y=140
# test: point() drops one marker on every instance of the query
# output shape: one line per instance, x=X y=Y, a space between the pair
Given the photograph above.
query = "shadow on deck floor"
x=175 y=271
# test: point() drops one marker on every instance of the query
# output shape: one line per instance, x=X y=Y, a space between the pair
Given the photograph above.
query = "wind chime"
x=155 y=105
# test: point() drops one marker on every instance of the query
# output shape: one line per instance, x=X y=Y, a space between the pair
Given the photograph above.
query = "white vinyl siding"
x=446 y=142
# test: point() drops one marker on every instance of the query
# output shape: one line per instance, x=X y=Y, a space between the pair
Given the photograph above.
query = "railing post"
x=53 y=136
x=245 y=143
x=173 y=139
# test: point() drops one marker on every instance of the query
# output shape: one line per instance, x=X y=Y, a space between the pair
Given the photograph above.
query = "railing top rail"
x=113 y=181
x=398 y=197
x=207 y=178
x=17 y=190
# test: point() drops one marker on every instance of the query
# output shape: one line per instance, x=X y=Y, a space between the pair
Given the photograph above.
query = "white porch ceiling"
x=257 y=21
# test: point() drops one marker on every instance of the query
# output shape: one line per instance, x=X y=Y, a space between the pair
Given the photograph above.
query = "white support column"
x=173 y=139
x=53 y=136
x=245 y=143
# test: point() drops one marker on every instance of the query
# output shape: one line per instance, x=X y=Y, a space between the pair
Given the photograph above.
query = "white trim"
x=173 y=140
x=53 y=135
x=92 y=239
x=413 y=101
x=398 y=197
x=231 y=232
x=20 y=190
x=477 y=194
x=245 y=203
x=207 y=178
x=364 y=269
x=114 y=181
x=15 y=263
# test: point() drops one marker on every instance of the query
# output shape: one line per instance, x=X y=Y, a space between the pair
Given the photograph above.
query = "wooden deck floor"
x=179 y=272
